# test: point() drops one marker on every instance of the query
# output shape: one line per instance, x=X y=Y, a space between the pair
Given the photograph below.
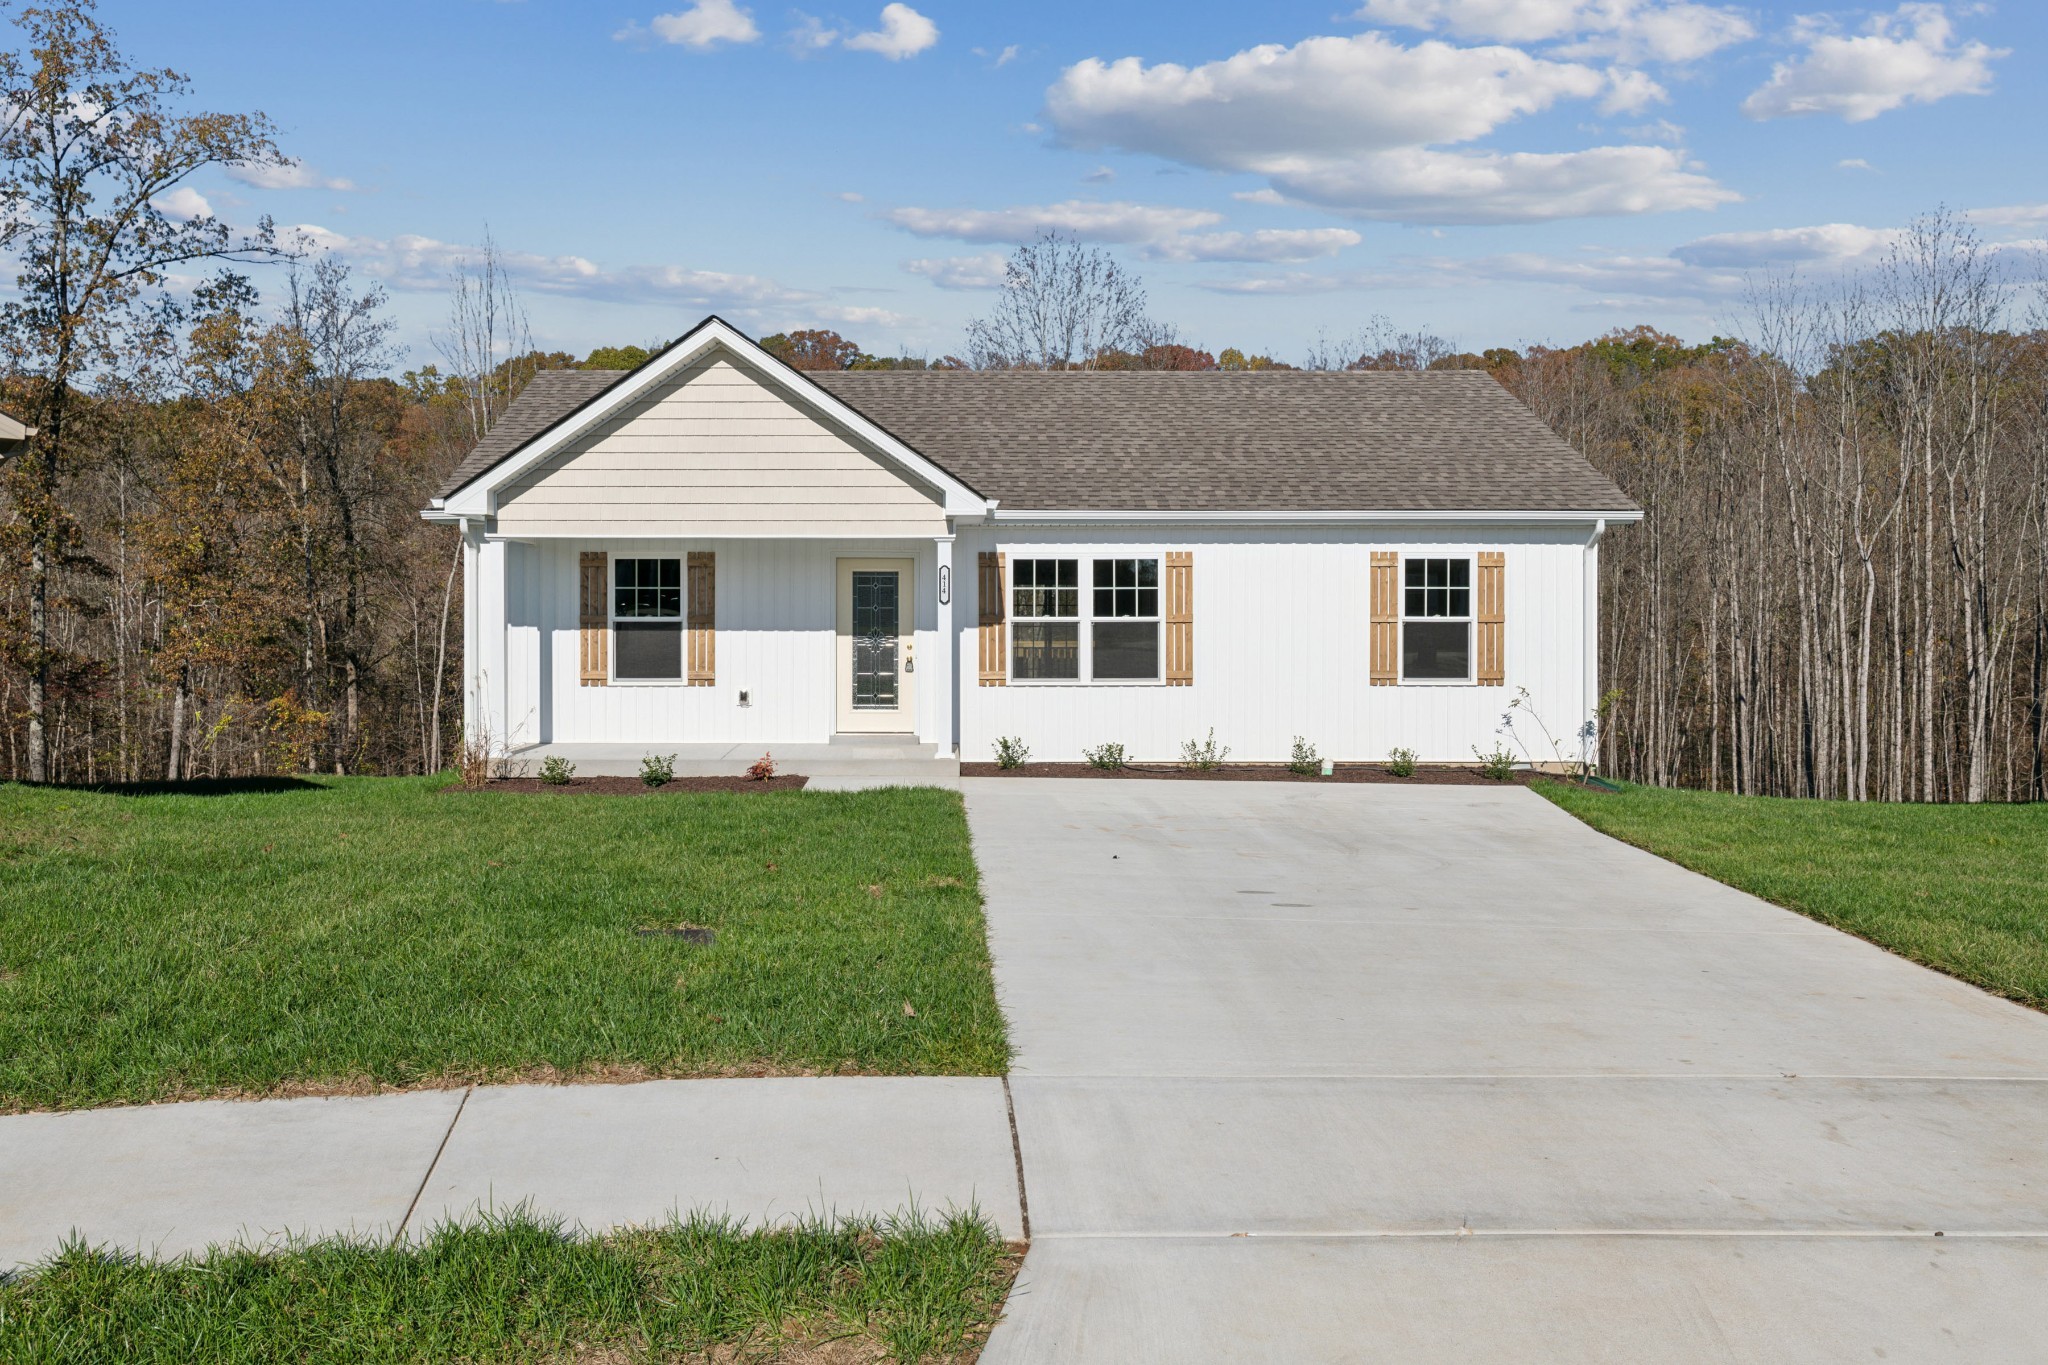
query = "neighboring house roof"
x=1191 y=441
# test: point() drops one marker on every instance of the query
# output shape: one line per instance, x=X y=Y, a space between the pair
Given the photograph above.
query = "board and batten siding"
x=716 y=452
x=776 y=605
x=1282 y=646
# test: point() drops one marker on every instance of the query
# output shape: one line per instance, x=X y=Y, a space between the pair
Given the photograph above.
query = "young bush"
x=1401 y=762
x=1498 y=765
x=556 y=770
x=1304 y=760
x=1108 y=757
x=763 y=769
x=1205 y=756
x=1011 y=752
x=657 y=771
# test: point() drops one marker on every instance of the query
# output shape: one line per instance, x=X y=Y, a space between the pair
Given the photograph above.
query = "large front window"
x=1436 y=620
x=1107 y=632
x=647 y=618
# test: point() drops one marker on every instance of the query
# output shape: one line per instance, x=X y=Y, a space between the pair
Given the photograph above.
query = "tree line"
x=215 y=564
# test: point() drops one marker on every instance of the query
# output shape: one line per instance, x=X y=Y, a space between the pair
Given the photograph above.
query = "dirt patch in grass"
x=1450 y=776
x=633 y=786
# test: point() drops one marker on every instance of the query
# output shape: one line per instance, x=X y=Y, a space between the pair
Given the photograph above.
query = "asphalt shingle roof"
x=1285 y=440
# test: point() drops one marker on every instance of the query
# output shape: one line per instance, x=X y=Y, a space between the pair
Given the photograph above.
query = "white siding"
x=715 y=452
x=776 y=622
x=1281 y=649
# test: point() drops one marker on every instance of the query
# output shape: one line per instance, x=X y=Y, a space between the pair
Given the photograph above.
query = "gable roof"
x=1178 y=441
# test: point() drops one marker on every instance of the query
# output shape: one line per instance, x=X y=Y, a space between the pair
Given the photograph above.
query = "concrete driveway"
x=1438 y=1073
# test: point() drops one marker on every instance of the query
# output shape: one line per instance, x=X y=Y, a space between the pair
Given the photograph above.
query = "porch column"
x=940 y=729
x=490 y=677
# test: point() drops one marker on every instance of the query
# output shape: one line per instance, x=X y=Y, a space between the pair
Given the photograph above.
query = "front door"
x=877 y=621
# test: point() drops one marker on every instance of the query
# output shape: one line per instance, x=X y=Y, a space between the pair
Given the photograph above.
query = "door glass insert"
x=875 y=626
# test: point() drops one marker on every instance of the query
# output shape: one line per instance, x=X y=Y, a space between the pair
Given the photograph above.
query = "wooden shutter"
x=1491 y=615
x=990 y=592
x=1386 y=618
x=703 y=618
x=1180 y=618
x=594 y=634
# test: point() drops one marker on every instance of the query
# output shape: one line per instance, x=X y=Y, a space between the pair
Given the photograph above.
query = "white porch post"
x=491 y=688
x=1589 y=752
x=941 y=682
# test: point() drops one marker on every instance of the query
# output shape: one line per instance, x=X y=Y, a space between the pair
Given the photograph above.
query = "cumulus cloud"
x=182 y=203
x=1630 y=30
x=702 y=26
x=1276 y=245
x=1089 y=219
x=1360 y=124
x=1910 y=56
x=293 y=175
x=412 y=262
x=984 y=271
x=1825 y=244
x=904 y=33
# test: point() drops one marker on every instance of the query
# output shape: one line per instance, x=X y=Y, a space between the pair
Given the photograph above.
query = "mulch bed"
x=633 y=786
x=1257 y=772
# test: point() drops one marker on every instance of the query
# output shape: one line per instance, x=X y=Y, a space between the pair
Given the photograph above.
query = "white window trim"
x=612 y=619
x=1470 y=620
x=1086 y=556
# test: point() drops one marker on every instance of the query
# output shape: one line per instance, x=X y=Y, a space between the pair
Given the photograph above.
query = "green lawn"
x=364 y=932
x=519 y=1291
x=1961 y=888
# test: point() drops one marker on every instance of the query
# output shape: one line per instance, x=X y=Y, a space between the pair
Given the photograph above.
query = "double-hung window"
x=1107 y=632
x=647 y=619
x=1436 y=620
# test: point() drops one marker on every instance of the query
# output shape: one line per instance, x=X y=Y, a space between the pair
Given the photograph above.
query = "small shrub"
x=1205 y=756
x=1108 y=757
x=657 y=771
x=763 y=769
x=1401 y=762
x=556 y=770
x=1304 y=761
x=1498 y=765
x=1011 y=752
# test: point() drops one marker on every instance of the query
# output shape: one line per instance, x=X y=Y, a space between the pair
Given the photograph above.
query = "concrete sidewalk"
x=1441 y=1074
x=176 y=1178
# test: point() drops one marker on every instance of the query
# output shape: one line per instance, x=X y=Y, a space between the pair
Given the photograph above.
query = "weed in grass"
x=518 y=1288
x=1958 y=888
x=296 y=961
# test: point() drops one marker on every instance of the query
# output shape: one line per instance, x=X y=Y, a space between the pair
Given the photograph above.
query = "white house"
x=716 y=554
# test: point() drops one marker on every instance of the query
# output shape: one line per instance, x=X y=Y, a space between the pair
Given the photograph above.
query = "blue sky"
x=1499 y=171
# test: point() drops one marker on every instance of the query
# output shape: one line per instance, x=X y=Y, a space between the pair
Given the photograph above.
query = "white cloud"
x=862 y=316
x=1631 y=92
x=704 y=25
x=961 y=272
x=1267 y=195
x=1101 y=175
x=1909 y=56
x=904 y=33
x=1357 y=125
x=810 y=35
x=1826 y=244
x=1854 y=163
x=1089 y=219
x=1274 y=245
x=182 y=203
x=293 y=175
x=1007 y=55
x=1629 y=30
x=850 y=197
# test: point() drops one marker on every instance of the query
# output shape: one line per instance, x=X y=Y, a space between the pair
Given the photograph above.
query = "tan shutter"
x=703 y=607
x=594 y=634
x=1386 y=618
x=1180 y=618
x=1492 y=617
x=990 y=592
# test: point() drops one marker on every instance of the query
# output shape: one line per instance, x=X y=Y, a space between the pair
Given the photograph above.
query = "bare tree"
x=1062 y=306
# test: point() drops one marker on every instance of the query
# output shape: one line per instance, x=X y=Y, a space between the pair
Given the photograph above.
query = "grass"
x=1963 y=889
x=364 y=933
x=516 y=1289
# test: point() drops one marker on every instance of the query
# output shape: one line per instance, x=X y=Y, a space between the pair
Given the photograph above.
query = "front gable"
x=713 y=437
